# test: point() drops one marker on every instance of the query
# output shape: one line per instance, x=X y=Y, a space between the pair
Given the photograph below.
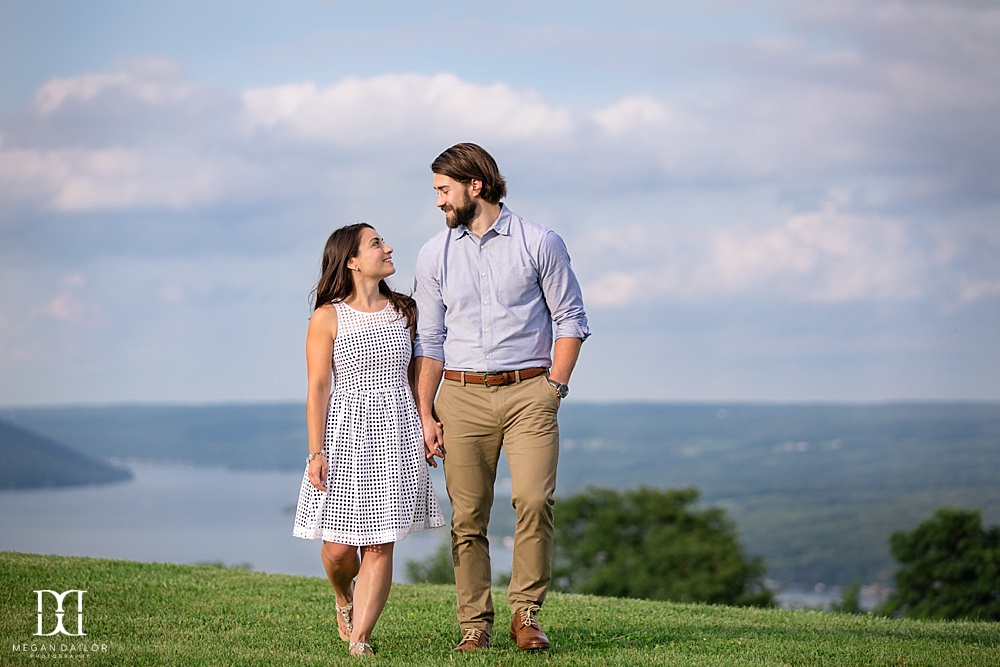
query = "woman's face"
x=374 y=257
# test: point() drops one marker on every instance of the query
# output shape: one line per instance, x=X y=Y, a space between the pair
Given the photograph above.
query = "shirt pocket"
x=517 y=286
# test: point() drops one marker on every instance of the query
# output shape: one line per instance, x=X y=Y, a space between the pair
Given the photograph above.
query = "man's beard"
x=463 y=215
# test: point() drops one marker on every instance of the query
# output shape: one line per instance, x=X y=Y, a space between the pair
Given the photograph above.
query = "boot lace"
x=527 y=616
x=472 y=635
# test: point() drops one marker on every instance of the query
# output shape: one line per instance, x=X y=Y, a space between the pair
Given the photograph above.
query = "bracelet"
x=309 y=459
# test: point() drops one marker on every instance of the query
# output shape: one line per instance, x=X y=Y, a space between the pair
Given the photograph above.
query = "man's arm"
x=428 y=374
x=565 y=352
x=562 y=294
x=428 y=350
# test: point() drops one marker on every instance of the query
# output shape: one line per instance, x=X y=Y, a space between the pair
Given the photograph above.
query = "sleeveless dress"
x=378 y=486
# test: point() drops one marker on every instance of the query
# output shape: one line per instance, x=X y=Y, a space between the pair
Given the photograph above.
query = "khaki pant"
x=478 y=421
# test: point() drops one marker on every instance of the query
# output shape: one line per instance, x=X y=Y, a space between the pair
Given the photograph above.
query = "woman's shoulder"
x=328 y=307
x=325 y=314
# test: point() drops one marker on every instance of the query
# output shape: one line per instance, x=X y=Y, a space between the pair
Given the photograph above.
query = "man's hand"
x=433 y=441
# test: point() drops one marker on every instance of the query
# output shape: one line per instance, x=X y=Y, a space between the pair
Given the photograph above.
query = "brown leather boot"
x=473 y=639
x=524 y=630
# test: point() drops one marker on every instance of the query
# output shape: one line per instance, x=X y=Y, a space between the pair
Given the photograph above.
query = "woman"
x=366 y=483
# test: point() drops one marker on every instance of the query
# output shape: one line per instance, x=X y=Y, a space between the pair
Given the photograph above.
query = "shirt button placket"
x=484 y=291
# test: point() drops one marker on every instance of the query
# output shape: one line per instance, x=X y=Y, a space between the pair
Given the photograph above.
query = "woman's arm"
x=319 y=371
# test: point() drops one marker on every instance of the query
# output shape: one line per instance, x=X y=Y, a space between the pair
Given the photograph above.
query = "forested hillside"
x=30 y=460
x=815 y=489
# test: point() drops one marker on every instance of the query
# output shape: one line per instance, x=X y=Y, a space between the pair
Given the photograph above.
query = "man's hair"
x=465 y=162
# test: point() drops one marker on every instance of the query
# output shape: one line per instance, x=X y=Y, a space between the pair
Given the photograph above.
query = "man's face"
x=454 y=199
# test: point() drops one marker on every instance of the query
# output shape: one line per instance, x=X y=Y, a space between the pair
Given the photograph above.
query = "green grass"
x=158 y=614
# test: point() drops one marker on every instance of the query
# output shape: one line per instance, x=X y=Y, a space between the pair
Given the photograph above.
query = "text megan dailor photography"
x=59 y=628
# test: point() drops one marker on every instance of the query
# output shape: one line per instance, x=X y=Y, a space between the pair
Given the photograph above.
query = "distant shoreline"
x=815 y=490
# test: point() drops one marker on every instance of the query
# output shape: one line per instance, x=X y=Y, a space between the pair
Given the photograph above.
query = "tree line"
x=659 y=545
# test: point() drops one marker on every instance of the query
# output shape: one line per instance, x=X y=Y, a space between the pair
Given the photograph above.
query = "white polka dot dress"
x=378 y=486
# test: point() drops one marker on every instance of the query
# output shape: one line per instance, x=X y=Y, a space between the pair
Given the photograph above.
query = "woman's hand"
x=317 y=472
x=433 y=441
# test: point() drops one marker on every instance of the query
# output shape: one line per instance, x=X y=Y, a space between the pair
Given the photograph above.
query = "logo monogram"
x=60 y=613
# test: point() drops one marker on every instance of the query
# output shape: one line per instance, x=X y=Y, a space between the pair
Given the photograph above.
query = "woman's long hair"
x=335 y=282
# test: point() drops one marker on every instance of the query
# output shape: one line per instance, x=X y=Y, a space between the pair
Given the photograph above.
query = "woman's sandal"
x=360 y=649
x=347 y=615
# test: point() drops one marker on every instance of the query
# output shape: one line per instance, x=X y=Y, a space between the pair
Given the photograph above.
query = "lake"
x=185 y=514
x=814 y=490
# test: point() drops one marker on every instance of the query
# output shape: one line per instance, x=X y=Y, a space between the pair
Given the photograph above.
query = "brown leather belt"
x=498 y=379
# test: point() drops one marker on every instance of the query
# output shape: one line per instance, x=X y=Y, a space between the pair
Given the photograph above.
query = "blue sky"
x=773 y=201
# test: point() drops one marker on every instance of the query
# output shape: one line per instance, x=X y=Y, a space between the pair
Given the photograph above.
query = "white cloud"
x=29 y=175
x=195 y=149
x=902 y=88
x=125 y=177
x=385 y=108
x=842 y=155
x=635 y=113
x=822 y=256
x=974 y=290
x=302 y=142
x=171 y=294
x=65 y=306
x=58 y=320
x=153 y=81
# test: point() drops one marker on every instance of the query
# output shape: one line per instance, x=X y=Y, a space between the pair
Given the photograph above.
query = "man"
x=490 y=289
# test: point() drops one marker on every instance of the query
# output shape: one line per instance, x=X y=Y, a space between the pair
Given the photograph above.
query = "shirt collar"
x=501 y=226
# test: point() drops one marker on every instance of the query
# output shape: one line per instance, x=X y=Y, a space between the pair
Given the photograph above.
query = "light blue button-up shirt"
x=491 y=303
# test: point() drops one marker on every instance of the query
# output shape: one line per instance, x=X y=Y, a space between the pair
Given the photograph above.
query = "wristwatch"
x=562 y=390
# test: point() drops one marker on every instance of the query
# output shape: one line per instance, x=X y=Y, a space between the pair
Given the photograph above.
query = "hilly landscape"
x=29 y=460
x=815 y=490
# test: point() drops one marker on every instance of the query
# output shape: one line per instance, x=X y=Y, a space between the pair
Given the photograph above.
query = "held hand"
x=433 y=442
x=317 y=472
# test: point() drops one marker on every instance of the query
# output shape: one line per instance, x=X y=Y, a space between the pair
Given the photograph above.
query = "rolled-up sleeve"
x=431 y=330
x=561 y=289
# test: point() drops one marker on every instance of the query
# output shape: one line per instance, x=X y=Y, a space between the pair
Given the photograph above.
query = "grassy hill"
x=144 y=615
x=815 y=490
x=30 y=460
